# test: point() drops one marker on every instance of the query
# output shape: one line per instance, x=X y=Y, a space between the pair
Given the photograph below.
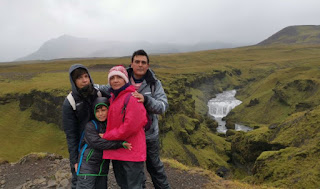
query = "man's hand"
x=139 y=96
x=101 y=135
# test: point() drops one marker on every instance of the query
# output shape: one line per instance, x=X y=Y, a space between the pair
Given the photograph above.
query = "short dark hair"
x=140 y=52
x=75 y=74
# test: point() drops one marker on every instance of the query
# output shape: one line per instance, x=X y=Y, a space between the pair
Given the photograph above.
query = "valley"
x=278 y=86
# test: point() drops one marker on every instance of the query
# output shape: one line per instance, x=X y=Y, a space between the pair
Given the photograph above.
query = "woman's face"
x=117 y=82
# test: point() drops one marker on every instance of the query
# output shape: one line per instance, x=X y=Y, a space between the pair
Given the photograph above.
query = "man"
x=150 y=92
x=77 y=111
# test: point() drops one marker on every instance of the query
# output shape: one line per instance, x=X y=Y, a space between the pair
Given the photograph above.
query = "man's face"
x=116 y=82
x=102 y=113
x=82 y=81
x=140 y=66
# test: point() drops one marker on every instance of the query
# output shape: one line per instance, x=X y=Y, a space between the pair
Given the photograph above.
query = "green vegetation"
x=279 y=87
x=21 y=135
x=308 y=34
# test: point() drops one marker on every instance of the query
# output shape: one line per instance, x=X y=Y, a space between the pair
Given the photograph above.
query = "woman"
x=126 y=121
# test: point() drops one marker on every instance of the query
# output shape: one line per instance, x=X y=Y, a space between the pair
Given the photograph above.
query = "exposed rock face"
x=253 y=102
x=26 y=101
x=230 y=125
x=7 y=98
x=44 y=106
x=295 y=93
x=246 y=148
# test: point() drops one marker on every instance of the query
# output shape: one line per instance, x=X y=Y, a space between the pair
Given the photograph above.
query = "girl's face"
x=102 y=113
x=117 y=82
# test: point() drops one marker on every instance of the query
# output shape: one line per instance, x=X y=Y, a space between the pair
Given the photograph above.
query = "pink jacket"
x=131 y=130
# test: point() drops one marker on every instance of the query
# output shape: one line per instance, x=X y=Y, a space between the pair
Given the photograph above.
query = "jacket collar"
x=149 y=77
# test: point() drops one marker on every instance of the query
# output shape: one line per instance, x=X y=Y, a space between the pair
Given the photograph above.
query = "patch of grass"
x=288 y=167
x=215 y=182
x=21 y=135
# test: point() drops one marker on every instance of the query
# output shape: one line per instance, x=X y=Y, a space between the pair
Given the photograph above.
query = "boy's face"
x=102 y=113
x=82 y=81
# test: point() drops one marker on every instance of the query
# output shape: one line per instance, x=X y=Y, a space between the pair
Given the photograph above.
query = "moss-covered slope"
x=304 y=34
x=279 y=87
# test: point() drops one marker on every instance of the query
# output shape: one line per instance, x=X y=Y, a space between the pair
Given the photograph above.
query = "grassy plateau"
x=278 y=85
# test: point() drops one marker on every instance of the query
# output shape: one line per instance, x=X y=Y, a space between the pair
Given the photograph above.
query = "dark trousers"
x=154 y=165
x=73 y=177
x=92 y=182
x=129 y=175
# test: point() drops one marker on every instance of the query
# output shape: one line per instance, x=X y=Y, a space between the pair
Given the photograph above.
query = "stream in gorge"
x=220 y=106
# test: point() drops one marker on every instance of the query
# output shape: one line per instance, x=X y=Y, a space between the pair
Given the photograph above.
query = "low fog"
x=26 y=25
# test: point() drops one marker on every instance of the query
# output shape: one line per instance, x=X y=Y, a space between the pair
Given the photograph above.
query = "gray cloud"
x=26 y=25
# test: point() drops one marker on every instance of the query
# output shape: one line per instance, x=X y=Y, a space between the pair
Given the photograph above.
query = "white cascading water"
x=223 y=104
x=220 y=106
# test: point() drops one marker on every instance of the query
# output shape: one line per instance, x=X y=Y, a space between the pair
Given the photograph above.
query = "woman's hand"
x=101 y=135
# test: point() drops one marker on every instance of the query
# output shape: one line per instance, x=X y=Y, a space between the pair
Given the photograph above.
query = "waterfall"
x=223 y=104
x=220 y=106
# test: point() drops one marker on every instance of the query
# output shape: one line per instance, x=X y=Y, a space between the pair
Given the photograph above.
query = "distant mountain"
x=307 y=34
x=67 y=46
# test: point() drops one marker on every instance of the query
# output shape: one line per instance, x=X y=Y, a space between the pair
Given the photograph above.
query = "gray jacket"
x=156 y=103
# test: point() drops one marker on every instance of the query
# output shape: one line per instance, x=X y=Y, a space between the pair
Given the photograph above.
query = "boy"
x=92 y=170
x=77 y=111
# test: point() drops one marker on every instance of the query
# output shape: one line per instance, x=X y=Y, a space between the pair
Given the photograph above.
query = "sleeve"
x=158 y=103
x=93 y=139
x=134 y=121
x=104 y=89
x=70 y=126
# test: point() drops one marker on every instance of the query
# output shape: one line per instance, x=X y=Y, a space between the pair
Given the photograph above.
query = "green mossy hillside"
x=278 y=87
x=304 y=34
x=281 y=93
x=193 y=143
x=21 y=135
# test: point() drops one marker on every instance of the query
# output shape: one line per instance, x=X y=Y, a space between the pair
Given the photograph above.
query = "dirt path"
x=50 y=171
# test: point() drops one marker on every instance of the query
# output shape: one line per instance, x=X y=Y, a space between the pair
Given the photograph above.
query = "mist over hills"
x=305 y=34
x=67 y=46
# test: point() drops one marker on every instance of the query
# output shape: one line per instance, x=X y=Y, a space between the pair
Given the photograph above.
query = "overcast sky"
x=27 y=24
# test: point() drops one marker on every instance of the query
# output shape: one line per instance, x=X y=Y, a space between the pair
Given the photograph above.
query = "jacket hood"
x=100 y=101
x=73 y=85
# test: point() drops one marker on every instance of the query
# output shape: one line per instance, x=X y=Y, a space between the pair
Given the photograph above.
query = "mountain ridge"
x=67 y=46
x=300 y=34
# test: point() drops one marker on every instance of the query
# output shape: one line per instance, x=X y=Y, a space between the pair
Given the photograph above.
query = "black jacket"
x=75 y=121
x=90 y=160
x=92 y=146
